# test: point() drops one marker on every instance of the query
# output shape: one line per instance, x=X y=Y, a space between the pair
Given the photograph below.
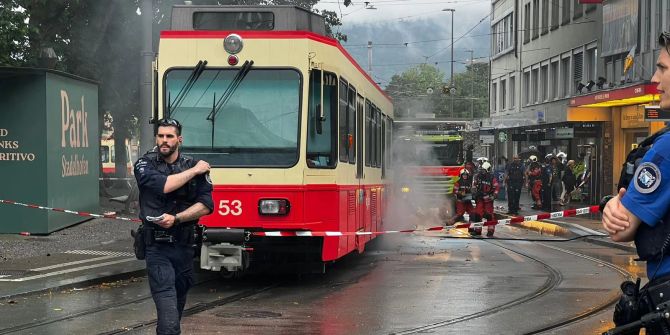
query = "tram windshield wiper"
x=183 y=92
x=232 y=87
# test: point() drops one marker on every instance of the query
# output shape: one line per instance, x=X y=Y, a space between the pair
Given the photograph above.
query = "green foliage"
x=421 y=89
x=14 y=33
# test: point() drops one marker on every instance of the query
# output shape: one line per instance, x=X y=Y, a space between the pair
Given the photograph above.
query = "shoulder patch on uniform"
x=208 y=179
x=647 y=177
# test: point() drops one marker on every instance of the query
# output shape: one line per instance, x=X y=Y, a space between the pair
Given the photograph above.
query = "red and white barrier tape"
x=516 y=219
x=69 y=211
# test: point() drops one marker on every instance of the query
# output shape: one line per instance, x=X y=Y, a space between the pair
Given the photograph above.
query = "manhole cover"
x=249 y=314
x=13 y=273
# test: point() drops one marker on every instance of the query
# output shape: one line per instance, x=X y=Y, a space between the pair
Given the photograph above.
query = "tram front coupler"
x=222 y=248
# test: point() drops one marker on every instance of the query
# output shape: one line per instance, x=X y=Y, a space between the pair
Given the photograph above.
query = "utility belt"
x=638 y=305
x=149 y=234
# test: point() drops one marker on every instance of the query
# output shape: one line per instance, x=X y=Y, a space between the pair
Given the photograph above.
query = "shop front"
x=624 y=107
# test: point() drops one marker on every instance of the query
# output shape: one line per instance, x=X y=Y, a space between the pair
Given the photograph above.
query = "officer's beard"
x=168 y=153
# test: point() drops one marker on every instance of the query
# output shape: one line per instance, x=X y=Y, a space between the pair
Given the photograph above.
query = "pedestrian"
x=641 y=212
x=175 y=191
x=569 y=183
x=514 y=180
x=485 y=190
x=556 y=178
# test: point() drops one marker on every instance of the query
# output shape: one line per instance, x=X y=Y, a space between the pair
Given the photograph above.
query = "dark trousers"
x=170 y=270
x=546 y=197
x=513 y=195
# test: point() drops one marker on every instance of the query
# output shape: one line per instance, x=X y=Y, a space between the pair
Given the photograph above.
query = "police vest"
x=515 y=173
x=185 y=196
x=650 y=242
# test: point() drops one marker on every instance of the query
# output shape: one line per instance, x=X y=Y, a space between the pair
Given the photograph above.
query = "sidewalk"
x=91 y=252
x=581 y=225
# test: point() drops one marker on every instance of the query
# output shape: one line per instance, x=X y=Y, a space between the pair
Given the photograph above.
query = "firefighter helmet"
x=486 y=166
x=532 y=158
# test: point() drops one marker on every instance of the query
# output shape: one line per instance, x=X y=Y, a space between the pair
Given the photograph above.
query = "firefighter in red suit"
x=533 y=175
x=463 y=191
x=485 y=189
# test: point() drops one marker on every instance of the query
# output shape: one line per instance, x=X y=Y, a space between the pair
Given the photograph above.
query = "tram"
x=297 y=134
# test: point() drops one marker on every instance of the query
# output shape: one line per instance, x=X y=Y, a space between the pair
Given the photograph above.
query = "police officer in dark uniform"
x=641 y=212
x=514 y=178
x=547 y=175
x=175 y=191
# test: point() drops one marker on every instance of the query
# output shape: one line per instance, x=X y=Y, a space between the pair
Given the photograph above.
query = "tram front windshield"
x=257 y=126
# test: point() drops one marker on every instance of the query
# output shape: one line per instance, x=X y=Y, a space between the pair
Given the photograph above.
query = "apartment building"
x=558 y=82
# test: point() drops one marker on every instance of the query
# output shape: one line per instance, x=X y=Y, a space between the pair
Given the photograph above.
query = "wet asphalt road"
x=433 y=283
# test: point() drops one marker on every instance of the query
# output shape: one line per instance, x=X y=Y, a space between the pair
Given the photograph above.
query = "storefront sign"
x=655 y=113
x=540 y=117
x=487 y=139
x=564 y=133
x=631 y=95
x=632 y=117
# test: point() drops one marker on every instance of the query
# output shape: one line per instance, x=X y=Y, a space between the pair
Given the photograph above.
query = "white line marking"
x=50 y=274
x=62 y=265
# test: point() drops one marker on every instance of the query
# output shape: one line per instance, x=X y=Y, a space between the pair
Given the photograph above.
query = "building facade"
x=558 y=82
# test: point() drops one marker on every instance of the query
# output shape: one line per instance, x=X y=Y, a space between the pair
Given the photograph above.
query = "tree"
x=14 y=33
x=471 y=99
x=416 y=90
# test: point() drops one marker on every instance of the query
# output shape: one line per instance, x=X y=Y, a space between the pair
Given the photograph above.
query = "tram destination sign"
x=655 y=113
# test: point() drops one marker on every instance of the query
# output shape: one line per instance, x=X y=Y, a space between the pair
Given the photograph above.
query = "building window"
x=578 y=9
x=536 y=18
x=494 y=97
x=565 y=76
x=544 y=83
x=566 y=12
x=503 y=35
x=591 y=7
x=554 y=80
x=591 y=64
x=526 y=88
x=526 y=23
x=512 y=91
x=555 y=10
x=647 y=25
x=659 y=18
x=578 y=61
x=503 y=95
x=545 y=16
x=535 y=88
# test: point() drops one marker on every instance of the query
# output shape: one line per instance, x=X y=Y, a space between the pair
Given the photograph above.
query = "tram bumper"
x=224 y=249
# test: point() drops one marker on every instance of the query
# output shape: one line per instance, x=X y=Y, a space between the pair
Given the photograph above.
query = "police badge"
x=647 y=178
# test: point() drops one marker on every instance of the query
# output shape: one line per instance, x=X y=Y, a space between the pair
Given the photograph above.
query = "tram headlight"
x=405 y=189
x=273 y=207
x=233 y=43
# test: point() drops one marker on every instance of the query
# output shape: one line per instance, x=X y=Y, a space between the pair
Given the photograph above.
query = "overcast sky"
x=422 y=24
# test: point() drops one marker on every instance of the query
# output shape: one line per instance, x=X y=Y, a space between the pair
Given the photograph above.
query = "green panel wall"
x=23 y=158
x=72 y=144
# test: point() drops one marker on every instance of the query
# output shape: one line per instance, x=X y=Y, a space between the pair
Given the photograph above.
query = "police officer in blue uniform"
x=641 y=212
x=175 y=191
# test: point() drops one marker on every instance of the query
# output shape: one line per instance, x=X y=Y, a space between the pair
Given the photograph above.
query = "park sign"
x=49 y=148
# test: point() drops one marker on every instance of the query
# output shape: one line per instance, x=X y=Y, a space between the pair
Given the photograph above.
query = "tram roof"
x=246 y=18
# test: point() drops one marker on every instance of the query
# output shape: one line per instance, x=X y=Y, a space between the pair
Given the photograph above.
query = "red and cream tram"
x=298 y=135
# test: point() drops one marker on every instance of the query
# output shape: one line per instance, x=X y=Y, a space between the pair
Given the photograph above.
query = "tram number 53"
x=232 y=207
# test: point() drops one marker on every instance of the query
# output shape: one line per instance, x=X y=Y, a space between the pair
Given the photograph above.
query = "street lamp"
x=451 y=79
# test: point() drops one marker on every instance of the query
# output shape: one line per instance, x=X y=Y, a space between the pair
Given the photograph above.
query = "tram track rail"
x=197 y=308
x=554 y=278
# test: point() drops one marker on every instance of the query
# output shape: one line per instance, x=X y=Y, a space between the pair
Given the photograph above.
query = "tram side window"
x=368 y=138
x=352 y=124
x=344 y=132
x=373 y=138
x=321 y=147
x=378 y=133
x=383 y=145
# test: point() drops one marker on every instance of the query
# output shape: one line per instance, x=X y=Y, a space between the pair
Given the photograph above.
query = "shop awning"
x=625 y=96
